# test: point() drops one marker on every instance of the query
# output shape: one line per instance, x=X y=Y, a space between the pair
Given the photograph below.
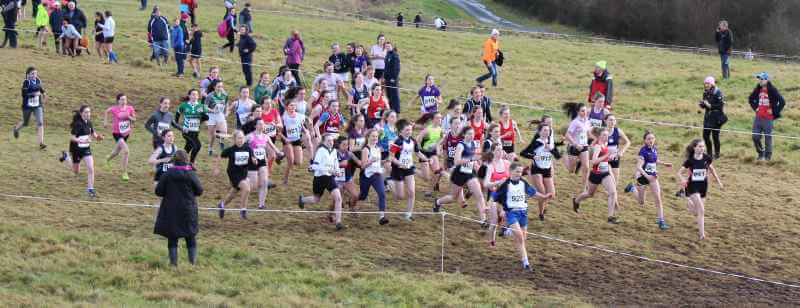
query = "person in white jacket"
x=108 y=37
x=324 y=165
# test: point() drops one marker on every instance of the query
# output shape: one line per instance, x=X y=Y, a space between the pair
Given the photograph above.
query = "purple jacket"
x=294 y=50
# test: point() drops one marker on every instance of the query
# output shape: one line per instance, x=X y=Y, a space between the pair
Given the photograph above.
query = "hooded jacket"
x=177 y=215
x=603 y=84
x=776 y=101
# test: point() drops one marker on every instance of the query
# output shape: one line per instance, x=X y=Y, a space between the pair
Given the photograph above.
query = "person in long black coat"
x=177 y=215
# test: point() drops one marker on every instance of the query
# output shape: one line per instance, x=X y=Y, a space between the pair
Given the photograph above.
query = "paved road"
x=484 y=15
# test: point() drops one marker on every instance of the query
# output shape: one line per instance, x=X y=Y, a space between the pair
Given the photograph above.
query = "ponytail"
x=571 y=109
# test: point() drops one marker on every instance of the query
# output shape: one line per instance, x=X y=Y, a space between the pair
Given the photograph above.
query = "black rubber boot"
x=192 y=255
x=173 y=256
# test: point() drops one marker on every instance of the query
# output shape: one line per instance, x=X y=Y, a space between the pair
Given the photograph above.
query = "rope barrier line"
x=643 y=258
x=211 y=209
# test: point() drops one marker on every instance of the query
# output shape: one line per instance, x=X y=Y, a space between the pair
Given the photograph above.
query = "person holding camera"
x=767 y=102
x=724 y=39
x=713 y=103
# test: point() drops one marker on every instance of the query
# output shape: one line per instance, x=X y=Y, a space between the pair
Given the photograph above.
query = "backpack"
x=222 y=28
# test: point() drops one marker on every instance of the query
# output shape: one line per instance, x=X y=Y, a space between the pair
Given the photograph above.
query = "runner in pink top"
x=122 y=116
x=261 y=144
x=578 y=139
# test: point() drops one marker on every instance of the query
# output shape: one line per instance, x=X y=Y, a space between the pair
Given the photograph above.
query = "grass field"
x=61 y=254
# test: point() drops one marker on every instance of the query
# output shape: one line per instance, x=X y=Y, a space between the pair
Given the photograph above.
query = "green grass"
x=75 y=254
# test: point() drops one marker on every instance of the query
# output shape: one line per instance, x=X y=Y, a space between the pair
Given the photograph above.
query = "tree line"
x=763 y=25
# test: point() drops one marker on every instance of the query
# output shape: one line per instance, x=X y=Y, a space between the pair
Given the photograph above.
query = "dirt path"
x=478 y=10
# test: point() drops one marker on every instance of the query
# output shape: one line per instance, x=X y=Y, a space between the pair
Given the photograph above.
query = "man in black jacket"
x=9 y=8
x=724 y=39
x=391 y=76
x=246 y=48
x=418 y=20
x=76 y=18
x=768 y=103
x=56 y=17
x=158 y=32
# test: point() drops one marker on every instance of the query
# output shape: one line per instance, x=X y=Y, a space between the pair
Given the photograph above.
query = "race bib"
x=596 y=122
x=650 y=168
x=243 y=117
x=377 y=114
x=293 y=133
x=162 y=127
x=165 y=167
x=270 y=129
x=339 y=175
x=543 y=161
x=583 y=138
x=603 y=167
x=373 y=169
x=429 y=102
x=83 y=141
x=451 y=152
x=241 y=158
x=508 y=143
x=219 y=108
x=406 y=160
x=698 y=175
x=467 y=169
x=360 y=142
x=517 y=198
x=260 y=153
x=33 y=101
x=613 y=150
x=193 y=124
x=124 y=126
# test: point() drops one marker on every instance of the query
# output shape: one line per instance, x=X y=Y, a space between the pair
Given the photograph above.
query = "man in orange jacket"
x=490 y=50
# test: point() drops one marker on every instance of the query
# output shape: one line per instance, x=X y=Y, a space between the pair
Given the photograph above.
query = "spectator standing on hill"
x=438 y=22
x=377 y=56
x=195 y=50
x=247 y=46
x=158 y=32
x=400 y=19
x=246 y=18
x=56 y=17
x=491 y=47
x=418 y=20
x=295 y=51
x=391 y=77
x=713 y=103
x=179 y=46
x=9 y=8
x=768 y=103
x=177 y=214
x=724 y=39
x=602 y=82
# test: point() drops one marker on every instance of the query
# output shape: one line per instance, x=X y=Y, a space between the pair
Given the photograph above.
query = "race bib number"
x=698 y=175
x=650 y=168
x=339 y=175
x=270 y=130
x=124 y=126
x=467 y=169
x=508 y=143
x=603 y=167
x=219 y=108
x=193 y=124
x=293 y=133
x=429 y=102
x=243 y=117
x=613 y=150
x=83 y=141
x=405 y=160
x=360 y=142
x=162 y=127
x=260 y=153
x=241 y=158
x=543 y=160
x=596 y=122
x=517 y=198
x=583 y=138
x=451 y=152
x=165 y=167
x=33 y=101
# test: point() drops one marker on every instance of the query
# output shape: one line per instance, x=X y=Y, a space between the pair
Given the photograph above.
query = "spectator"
x=143 y=5
x=246 y=18
x=56 y=16
x=179 y=46
x=490 y=49
x=724 y=39
x=340 y=61
x=377 y=56
x=438 y=22
x=602 y=83
x=191 y=5
x=418 y=20
x=195 y=50
x=246 y=48
x=158 y=31
x=230 y=35
x=9 y=8
x=42 y=19
x=295 y=52
x=768 y=103
x=76 y=16
x=392 y=77
x=69 y=38
x=713 y=103
x=177 y=215
x=109 y=27
x=99 y=20
x=400 y=19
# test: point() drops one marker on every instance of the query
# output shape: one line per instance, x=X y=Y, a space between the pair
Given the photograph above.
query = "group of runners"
x=354 y=144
